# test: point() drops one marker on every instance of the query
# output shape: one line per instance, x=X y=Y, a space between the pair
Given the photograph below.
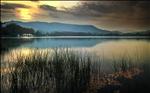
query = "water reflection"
x=137 y=50
x=60 y=42
x=53 y=43
x=32 y=65
x=12 y=43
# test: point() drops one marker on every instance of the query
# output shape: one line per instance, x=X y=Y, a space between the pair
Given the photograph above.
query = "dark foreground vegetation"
x=67 y=71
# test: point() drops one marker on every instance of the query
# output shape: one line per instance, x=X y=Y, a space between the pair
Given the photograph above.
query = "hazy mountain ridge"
x=45 y=27
x=60 y=29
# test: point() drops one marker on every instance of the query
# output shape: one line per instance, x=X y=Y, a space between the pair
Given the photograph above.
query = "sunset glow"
x=24 y=14
x=113 y=16
x=81 y=46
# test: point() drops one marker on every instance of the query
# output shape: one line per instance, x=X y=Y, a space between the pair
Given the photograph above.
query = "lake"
x=108 y=50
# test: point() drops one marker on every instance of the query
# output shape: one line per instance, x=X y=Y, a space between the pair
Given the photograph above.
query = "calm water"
x=30 y=65
x=107 y=49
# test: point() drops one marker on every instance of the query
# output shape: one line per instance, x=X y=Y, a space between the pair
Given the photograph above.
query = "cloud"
x=115 y=15
x=54 y=12
x=109 y=15
x=8 y=10
x=97 y=8
x=48 y=7
x=13 y=6
x=34 y=0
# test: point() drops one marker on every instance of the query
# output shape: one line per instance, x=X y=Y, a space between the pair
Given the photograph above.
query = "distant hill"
x=45 y=27
x=13 y=28
x=141 y=33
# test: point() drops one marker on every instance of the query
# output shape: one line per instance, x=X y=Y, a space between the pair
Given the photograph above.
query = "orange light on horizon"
x=24 y=13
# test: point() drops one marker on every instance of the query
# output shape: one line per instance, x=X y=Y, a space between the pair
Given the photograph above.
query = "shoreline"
x=87 y=37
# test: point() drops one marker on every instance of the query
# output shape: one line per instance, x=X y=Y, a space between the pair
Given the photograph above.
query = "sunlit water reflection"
x=107 y=50
x=34 y=77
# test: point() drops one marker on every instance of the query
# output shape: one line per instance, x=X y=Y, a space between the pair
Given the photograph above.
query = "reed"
x=63 y=71
x=60 y=71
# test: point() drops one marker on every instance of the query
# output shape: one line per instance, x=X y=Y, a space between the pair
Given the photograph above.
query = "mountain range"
x=46 y=27
x=56 y=28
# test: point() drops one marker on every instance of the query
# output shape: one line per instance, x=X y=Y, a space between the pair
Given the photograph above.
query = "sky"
x=124 y=16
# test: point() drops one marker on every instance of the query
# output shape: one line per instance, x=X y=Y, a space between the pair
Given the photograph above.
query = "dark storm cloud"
x=116 y=14
x=48 y=7
x=13 y=6
x=108 y=7
x=54 y=12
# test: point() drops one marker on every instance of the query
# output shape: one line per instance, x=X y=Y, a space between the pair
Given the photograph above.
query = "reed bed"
x=53 y=71
x=59 y=71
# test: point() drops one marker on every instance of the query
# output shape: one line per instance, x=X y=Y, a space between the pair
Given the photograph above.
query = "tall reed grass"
x=55 y=71
x=58 y=71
